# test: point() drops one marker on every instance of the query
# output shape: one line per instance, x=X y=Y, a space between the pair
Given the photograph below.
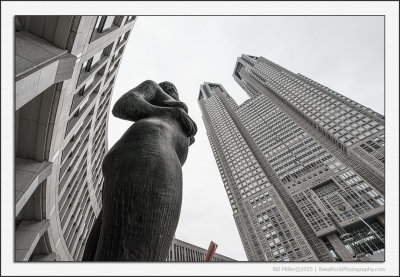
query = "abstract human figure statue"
x=142 y=191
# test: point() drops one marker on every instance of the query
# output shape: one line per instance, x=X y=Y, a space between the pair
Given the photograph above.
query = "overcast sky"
x=345 y=53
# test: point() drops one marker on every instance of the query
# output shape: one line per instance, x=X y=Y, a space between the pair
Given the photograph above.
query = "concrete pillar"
x=38 y=65
x=27 y=237
x=29 y=175
x=339 y=247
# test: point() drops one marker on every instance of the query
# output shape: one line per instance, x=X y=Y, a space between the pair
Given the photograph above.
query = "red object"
x=211 y=251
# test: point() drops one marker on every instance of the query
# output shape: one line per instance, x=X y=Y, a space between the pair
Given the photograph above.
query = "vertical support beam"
x=27 y=236
x=339 y=247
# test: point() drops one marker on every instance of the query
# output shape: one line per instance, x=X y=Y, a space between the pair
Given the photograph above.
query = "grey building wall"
x=304 y=141
x=66 y=67
x=181 y=251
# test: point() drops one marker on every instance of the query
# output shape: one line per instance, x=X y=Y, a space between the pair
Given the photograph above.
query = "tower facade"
x=181 y=251
x=66 y=67
x=303 y=166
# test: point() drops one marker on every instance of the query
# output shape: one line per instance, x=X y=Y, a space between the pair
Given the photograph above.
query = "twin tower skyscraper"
x=302 y=165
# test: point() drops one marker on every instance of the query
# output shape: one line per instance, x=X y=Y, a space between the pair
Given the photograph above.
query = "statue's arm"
x=137 y=103
x=148 y=99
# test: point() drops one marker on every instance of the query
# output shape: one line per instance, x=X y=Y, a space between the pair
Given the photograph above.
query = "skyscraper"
x=66 y=67
x=302 y=165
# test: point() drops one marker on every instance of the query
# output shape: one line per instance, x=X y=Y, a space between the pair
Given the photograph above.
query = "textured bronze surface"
x=142 y=191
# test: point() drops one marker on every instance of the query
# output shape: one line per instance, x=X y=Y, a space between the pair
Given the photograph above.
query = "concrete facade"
x=181 y=251
x=66 y=68
x=303 y=166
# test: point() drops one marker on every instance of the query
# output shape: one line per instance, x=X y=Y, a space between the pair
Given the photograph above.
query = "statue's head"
x=170 y=89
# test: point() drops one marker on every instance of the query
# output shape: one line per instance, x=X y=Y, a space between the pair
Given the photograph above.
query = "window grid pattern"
x=289 y=150
x=180 y=251
x=345 y=124
x=279 y=237
x=248 y=177
x=293 y=154
x=340 y=119
x=85 y=142
x=273 y=130
x=302 y=152
x=368 y=239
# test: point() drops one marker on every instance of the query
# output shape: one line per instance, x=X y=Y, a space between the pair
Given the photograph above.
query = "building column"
x=27 y=236
x=339 y=247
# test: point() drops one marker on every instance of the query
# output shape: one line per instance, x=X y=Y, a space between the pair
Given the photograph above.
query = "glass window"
x=99 y=18
x=130 y=18
x=89 y=82
x=127 y=34
x=119 y=40
x=96 y=58
x=82 y=107
x=85 y=65
x=92 y=62
x=81 y=92
x=108 y=23
x=104 y=23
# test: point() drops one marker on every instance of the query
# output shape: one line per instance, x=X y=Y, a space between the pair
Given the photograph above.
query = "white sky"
x=345 y=53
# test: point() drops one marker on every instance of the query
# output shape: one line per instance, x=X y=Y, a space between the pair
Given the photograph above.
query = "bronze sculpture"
x=142 y=191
